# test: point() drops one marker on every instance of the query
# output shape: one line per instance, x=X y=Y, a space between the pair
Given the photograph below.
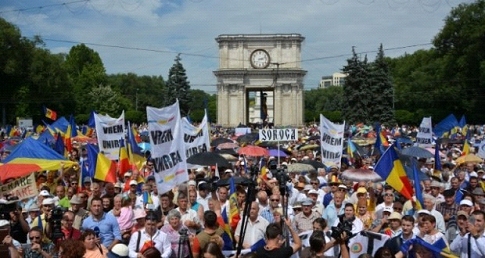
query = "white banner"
x=109 y=132
x=278 y=135
x=167 y=147
x=196 y=138
x=481 y=149
x=424 y=138
x=332 y=141
x=242 y=130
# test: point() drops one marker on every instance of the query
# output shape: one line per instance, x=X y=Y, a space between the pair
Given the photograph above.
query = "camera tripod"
x=184 y=242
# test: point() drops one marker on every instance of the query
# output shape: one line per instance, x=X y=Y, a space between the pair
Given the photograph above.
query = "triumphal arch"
x=260 y=79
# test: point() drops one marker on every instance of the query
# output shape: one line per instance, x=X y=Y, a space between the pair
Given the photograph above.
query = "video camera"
x=56 y=218
x=7 y=206
x=210 y=184
x=343 y=226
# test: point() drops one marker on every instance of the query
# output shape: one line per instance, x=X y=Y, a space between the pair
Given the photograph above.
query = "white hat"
x=4 y=223
x=44 y=193
x=395 y=215
x=120 y=250
x=313 y=191
x=133 y=182
x=118 y=185
x=192 y=182
x=48 y=201
x=307 y=188
x=293 y=159
x=228 y=171
x=424 y=212
x=473 y=174
x=305 y=158
x=33 y=207
x=388 y=209
x=466 y=202
x=128 y=174
x=284 y=163
x=201 y=169
x=342 y=186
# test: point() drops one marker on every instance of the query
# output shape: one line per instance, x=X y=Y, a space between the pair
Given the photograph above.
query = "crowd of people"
x=297 y=217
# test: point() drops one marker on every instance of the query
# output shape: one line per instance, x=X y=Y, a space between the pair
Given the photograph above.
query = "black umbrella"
x=404 y=140
x=215 y=142
x=227 y=151
x=313 y=138
x=208 y=159
x=248 y=138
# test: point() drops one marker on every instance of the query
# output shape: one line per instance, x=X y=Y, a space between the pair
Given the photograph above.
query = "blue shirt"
x=109 y=230
x=330 y=214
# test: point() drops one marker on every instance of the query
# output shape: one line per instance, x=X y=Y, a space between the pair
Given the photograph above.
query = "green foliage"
x=82 y=118
x=134 y=116
x=381 y=91
x=85 y=72
x=357 y=94
x=406 y=117
x=105 y=100
x=178 y=87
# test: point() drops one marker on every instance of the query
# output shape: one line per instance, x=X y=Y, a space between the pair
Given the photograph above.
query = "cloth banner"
x=481 y=149
x=424 y=138
x=109 y=132
x=242 y=130
x=332 y=140
x=196 y=138
x=23 y=188
x=168 y=147
x=366 y=242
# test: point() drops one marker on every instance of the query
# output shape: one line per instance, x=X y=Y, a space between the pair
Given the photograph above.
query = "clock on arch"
x=259 y=59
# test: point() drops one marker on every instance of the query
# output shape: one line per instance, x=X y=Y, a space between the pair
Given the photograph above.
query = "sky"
x=144 y=36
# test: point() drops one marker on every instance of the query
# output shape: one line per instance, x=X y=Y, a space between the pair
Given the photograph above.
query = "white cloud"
x=191 y=26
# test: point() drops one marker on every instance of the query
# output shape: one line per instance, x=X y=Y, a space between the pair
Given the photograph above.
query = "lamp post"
x=136 y=99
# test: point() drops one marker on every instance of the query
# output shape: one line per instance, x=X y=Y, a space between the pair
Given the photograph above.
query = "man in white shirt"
x=189 y=217
x=203 y=195
x=429 y=204
x=475 y=238
x=256 y=227
x=140 y=240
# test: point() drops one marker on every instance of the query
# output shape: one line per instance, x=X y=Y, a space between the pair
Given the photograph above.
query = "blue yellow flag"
x=390 y=168
x=437 y=249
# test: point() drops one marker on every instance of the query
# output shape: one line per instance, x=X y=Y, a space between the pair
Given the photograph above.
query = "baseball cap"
x=361 y=190
x=192 y=182
x=307 y=201
x=228 y=171
x=473 y=174
x=466 y=202
x=307 y=187
x=44 y=193
x=133 y=182
x=128 y=174
x=388 y=209
x=118 y=185
x=435 y=184
x=462 y=213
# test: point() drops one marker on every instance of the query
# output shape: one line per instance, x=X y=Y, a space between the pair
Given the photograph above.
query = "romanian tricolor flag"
x=101 y=166
x=381 y=142
x=49 y=113
x=390 y=168
x=233 y=209
x=134 y=151
x=71 y=132
x=123 y=160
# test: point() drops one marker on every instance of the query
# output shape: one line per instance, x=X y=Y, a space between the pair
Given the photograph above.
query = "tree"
x=177 y=87
x=460 y=43
x=356 y=99
x=381 y=89
x=86 y=72
x=105 y=100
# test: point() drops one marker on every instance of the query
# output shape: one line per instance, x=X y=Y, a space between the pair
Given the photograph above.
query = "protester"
x=71 y=248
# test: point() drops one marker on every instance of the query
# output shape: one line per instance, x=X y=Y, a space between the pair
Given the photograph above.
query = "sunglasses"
x=388 y=194
x=36 y=237
x=297 y=209
x=314 y=183
x=275 y=200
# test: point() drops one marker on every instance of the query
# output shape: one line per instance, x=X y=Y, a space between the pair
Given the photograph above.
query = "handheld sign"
x=278 y=135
